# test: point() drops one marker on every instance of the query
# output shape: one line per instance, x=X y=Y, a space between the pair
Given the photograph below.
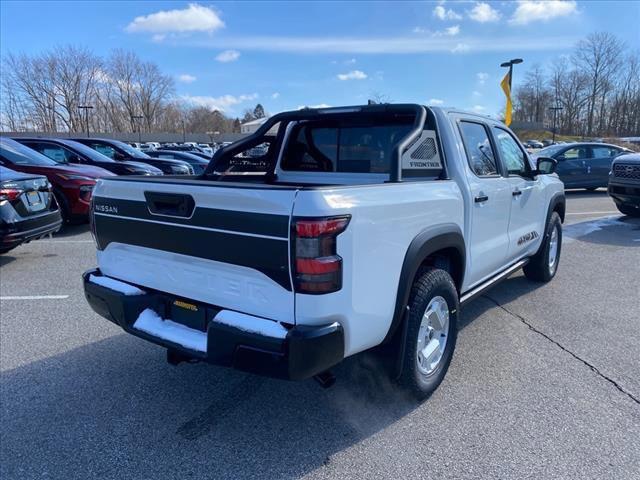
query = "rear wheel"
x=542 y=267
x=628 y=210
x=431 y=332
x=63 y=205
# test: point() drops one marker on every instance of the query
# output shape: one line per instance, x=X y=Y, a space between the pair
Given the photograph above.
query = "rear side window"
x=604 y=152
x=316 y=147
x=574 y=154
x=481 y=157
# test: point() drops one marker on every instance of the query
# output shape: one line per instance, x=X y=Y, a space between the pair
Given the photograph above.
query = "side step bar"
x=480 y=289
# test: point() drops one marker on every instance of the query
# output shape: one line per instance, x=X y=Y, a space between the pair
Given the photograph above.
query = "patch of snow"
x=576 y=230
x=248 y=323
x=113 y=284
x=151 y=323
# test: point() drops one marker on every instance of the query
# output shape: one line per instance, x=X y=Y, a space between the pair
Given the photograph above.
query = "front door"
x=491 y=200
x=528 y=208
x=572 y=167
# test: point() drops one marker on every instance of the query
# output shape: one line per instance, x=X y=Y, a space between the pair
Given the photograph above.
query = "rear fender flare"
x=421 y=247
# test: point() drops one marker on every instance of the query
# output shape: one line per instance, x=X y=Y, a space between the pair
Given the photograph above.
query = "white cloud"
x=194 y=18
x=483 y=12
x=186 y=78
x=275 y=95
x=542 y=10
x=476 y=93
x=351 y=61
x=352 y=75
x=320 y=105
x=455 y=30
x=478 y=108
x=482 y=77
x=444 y=14
x=386 y=45
x=228 y=56
x=419 y=30
x=461 y=48
x=158 y=37
x=223 y=103
x=435 y=101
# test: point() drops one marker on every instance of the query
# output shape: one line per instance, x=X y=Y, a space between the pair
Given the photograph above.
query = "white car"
x=206 y=149
x=359 y=226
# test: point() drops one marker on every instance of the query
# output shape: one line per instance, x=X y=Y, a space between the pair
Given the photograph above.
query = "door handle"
x=481 y=198
x=516 y=192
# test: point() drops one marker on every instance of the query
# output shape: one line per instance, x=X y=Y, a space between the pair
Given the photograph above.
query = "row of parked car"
x=45 y=182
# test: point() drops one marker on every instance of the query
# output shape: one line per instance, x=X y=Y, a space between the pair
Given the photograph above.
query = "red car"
x=72 y=184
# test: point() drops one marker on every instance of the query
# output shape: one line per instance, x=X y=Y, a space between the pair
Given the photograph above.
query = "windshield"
x=549 y=151
x=88 y=152
x=18 y=154
x=135 y=153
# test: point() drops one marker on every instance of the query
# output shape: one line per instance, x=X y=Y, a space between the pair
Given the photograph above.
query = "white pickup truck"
x=359 y=226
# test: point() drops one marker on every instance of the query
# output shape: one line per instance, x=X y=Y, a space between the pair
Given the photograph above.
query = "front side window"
x=514 y=159
x=576 y=153
x=54 y=152
x=105 y=150
x=479 y=151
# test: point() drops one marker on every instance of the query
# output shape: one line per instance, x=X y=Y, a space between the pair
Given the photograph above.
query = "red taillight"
x=317 y=266
x=10 y=194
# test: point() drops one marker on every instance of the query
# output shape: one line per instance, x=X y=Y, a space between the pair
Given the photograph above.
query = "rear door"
x=599 y=164
x=528 y=201
x=218 y=244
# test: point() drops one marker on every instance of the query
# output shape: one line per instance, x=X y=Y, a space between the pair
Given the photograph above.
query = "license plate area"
x=189 y=313
x=33 y=199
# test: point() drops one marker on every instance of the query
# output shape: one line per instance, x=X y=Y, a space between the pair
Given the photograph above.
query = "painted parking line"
x=34 y=297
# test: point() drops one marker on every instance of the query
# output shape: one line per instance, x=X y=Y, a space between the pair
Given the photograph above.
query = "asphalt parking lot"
x=545 y=383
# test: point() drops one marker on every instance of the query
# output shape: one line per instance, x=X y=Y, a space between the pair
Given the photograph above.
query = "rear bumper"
x=13 y=234
x=625 y=192
x=302 y=351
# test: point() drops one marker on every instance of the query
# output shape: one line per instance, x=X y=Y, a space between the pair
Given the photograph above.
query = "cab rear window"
x=344 y=147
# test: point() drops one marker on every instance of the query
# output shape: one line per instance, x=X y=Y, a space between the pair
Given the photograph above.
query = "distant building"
x=252 y=126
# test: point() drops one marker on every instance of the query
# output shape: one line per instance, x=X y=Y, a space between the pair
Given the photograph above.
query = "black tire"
x=63 y=205
x=539 y=267
x=430 y=284
x=628 y=210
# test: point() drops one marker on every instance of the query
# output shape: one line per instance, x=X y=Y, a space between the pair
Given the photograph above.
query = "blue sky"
x=231 y=55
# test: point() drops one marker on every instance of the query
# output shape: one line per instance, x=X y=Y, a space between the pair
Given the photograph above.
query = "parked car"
x=28 y=210
x=72 y=184
x=533 y=144
x=370 y=225
x=206 y=149
x=66 y=151
x=198 y=163
x=188 y=148
x=624 y=183
x=120 y=151
x=135 y=145
x=582 y=165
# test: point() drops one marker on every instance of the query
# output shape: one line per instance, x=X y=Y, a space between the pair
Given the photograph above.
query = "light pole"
x=510 y=64
x=134 y=118
x=184 y=132
x=555 y=109
x=86 y=109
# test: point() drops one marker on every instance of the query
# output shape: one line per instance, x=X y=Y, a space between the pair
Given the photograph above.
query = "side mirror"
x=546 y=165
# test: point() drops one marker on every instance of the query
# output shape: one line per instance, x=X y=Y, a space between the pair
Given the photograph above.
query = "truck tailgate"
x=222 y=245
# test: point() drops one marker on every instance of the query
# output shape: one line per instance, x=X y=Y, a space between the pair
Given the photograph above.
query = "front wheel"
x=543 y=265
x=431 y=332
x=628 y=210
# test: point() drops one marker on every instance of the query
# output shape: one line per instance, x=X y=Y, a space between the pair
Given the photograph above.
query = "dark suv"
x=624 y=184
x=120 y=151
x=583 y=165
x=65 y=151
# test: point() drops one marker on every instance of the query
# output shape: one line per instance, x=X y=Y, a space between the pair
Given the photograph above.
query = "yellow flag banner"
x=507 y=91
